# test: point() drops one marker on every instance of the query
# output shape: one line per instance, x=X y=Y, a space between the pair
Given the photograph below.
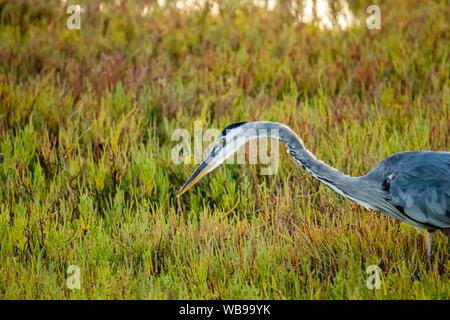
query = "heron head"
x=230 y=140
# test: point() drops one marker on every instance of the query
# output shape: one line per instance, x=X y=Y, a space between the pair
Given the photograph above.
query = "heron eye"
x=222 y=141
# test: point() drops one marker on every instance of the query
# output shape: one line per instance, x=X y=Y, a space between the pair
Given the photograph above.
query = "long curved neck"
x=361 y=190
x=341 y=183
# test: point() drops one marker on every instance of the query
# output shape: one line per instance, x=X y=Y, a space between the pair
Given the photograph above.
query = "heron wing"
x=419 y=187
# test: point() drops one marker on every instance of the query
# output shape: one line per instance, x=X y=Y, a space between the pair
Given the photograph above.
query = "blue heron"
x=412 y=186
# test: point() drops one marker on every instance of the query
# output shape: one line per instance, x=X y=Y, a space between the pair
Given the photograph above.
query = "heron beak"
x=194 y=178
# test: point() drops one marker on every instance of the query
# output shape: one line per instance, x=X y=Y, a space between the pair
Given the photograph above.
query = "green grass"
x=86 y=178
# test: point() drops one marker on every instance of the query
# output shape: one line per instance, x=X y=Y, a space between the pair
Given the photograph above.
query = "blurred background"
x=86 y=117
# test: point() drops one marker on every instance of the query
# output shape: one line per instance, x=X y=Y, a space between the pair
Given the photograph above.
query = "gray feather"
x=418 y=185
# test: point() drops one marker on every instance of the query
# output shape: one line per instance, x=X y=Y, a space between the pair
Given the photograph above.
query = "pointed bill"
x=194 y=178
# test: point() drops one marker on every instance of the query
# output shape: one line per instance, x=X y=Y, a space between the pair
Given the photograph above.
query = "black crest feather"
x=232 y=126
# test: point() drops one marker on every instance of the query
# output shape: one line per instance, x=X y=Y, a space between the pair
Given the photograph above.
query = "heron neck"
x=338 y=181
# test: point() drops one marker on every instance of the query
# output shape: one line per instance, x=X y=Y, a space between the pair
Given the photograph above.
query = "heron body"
x=418 y=186
x=412 y=186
